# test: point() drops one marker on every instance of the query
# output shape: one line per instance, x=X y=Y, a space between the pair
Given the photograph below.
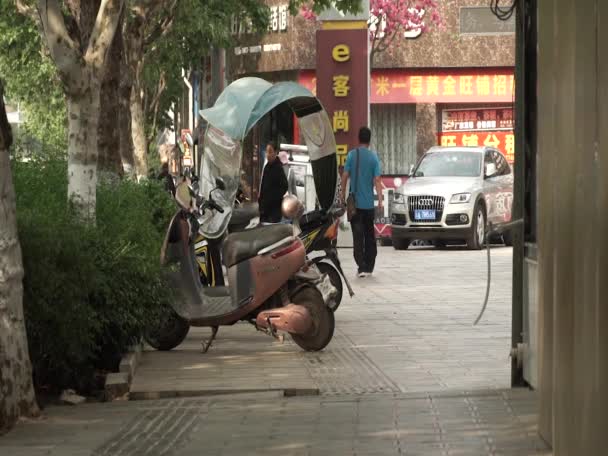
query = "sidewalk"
x=406 y=374
x=240 y=360
x=497 y=423
x=409 y=329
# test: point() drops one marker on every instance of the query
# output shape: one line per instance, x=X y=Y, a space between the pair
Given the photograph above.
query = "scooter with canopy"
x=271 y=284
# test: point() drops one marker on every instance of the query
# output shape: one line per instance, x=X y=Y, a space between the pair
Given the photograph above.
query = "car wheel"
x=477 y=237
x=401 y=244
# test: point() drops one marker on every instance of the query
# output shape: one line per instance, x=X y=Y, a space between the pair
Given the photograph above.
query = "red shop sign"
x=491 y=85
x=501 y=140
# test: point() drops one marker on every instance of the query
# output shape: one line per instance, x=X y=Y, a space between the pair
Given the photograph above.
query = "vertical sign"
x=342 y=83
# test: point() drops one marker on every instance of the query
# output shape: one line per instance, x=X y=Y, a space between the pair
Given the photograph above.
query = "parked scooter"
x=274 y=287
x=271 y=283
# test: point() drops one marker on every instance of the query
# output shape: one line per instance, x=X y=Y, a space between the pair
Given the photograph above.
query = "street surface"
x=406 y=374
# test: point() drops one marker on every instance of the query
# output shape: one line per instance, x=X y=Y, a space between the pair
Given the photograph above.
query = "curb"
x=283 y=392
x=118 y=384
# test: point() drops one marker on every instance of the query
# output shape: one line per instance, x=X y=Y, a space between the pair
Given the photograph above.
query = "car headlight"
x=398 y=198
x=460 y=198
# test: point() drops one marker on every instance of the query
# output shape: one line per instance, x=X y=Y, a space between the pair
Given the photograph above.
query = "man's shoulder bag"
x=351 y=202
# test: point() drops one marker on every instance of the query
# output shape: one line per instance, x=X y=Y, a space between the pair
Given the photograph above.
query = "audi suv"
x=451 y=195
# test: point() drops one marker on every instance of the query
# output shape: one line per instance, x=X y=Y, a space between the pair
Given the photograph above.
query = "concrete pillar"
x=573 y=222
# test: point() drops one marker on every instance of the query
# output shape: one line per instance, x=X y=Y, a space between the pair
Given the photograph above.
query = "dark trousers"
x=364 y=239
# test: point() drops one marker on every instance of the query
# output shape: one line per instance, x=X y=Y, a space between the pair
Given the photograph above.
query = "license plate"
x=426 y=214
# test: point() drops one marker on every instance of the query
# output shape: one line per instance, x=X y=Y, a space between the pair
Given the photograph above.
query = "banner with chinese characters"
x=502 y=140
x=342 y=83
x=477 y=119
x=483 y=85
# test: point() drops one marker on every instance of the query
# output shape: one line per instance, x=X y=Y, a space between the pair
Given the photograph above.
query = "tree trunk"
x=109 y=123
x=16 y=389
x=79 y=52
x=134 y=46
x=83 y=123
x=124 y=115
x=138 y=132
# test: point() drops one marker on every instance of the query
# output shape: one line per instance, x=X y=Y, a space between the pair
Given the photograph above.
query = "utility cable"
x=504 y=13
x=491 y=230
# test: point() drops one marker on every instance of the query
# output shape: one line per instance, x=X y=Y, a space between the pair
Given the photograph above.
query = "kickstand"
x=273 y=332
x=208 y=343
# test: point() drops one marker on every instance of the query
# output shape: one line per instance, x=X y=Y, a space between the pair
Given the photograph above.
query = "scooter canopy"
x=237 y=110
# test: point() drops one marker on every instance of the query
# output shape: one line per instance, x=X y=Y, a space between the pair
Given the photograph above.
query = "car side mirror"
x=490 y=170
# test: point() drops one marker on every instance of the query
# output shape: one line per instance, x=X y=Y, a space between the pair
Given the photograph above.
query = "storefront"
x=459 y=106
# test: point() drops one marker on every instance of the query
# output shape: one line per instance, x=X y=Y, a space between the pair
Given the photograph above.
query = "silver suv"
x=450 y=196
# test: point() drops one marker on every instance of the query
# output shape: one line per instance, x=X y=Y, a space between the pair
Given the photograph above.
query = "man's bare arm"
x=378 y=181
x=345 y=177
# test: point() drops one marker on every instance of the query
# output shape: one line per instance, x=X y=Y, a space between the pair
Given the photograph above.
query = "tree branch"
x=103 y=32
x=162 y=28
x=159 y=31
x=64 y=50
x=389 y=41
x=27 y=10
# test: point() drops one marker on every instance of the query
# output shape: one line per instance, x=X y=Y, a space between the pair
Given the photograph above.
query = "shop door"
x=394 y=136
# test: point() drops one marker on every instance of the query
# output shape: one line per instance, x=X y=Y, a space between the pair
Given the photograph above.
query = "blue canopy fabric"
x=244 y=102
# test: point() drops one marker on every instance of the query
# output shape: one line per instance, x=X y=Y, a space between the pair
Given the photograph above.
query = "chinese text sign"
x=342 y=83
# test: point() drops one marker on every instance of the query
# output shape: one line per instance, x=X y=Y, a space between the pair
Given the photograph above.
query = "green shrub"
x=88 y=290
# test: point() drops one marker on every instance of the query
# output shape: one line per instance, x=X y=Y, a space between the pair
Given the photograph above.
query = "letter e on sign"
x=341 y=53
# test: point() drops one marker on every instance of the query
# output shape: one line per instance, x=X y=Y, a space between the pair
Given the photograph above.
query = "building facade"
x=450 y=85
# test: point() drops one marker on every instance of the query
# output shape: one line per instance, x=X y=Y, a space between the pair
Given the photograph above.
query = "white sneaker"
x=363 y=274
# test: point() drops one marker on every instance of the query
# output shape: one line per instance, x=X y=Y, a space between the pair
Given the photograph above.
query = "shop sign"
x=342 y=85
x=477 y=119
x=437 y=86
x=278 y=21
x=503 y=140
x=382 y=221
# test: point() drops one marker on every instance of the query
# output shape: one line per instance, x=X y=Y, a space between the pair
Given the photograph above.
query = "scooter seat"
x=241 y=216
x=243 y=245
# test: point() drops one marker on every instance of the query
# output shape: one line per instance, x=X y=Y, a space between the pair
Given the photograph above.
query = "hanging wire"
x=504 y=13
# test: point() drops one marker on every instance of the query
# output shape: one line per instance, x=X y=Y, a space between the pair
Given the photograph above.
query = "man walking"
x=273 y=188
x=363 y=168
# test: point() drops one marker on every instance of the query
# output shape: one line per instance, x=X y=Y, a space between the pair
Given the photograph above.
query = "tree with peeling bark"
x=16 y=388
x=166 y=36
x=78 y=35
x=183 y=43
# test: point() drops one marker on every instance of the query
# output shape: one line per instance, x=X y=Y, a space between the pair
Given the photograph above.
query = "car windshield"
x=449 y=164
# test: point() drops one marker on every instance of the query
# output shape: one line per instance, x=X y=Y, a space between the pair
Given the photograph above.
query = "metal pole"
x=519 y=191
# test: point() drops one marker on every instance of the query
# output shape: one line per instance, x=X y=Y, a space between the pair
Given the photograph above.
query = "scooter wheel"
x=336 y=281
x=323 y=322
x=169 y=333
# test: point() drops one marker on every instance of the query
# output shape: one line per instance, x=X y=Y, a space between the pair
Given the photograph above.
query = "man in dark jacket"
x=274 y=186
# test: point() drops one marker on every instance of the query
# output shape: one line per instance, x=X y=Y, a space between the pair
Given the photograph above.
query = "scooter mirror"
x=189 y=139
